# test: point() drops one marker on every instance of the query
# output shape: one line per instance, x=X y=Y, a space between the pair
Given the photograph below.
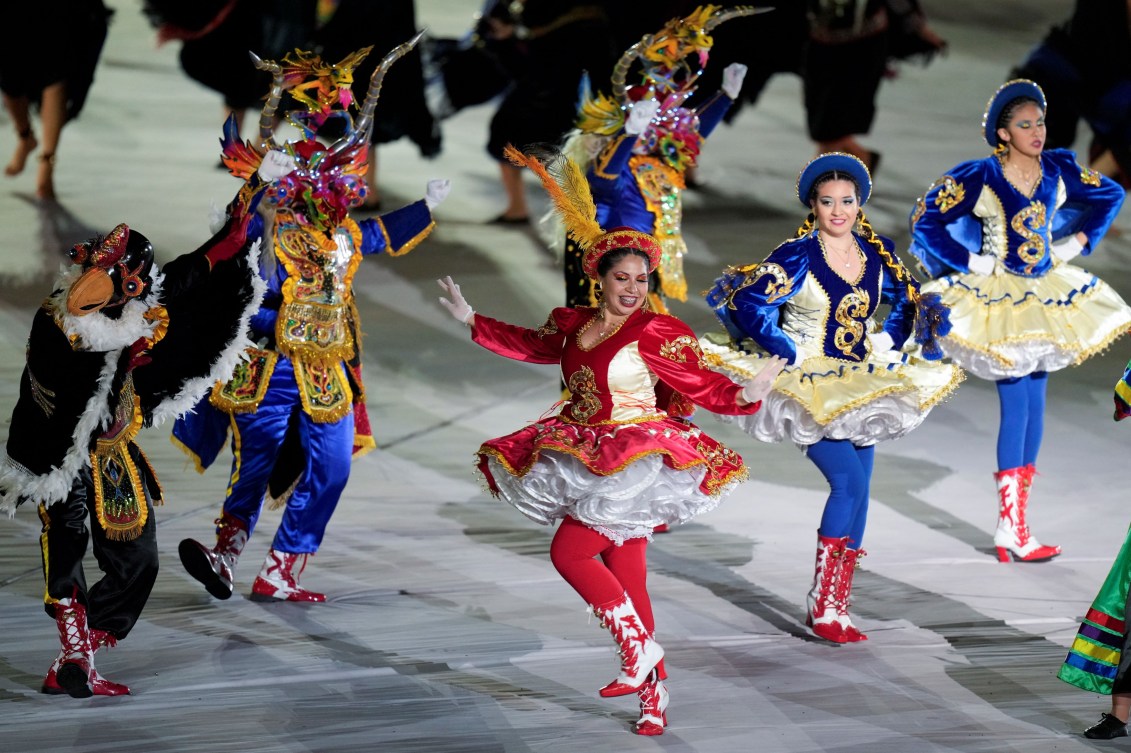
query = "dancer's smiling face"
x=836 y=207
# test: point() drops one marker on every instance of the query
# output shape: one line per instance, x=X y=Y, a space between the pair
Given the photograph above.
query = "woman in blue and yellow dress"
x=998 y=233
x=848 y=385
x=1100 y=658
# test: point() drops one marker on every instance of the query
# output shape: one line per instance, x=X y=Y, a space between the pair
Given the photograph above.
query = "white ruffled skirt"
x=882 y=398
x=1006 y=325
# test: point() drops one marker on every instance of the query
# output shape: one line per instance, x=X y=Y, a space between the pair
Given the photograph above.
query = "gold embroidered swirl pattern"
x=1089 y=176
x=850 y=313
x=1026 y=223
x=780 y=285
x=583 y=386
x=950 y=194
x=674 y=350
x=549 y=328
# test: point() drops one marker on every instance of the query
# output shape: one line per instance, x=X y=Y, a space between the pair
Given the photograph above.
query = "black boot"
x=1107 y=728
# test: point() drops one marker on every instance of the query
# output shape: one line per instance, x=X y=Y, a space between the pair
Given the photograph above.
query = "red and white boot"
x=99 y=685
x=71 y=670
x=848 y=563
x=277 y=580
x=653 y=707
x=1012 y=537
x=216 y=567
x=823 y=616
x=639 y=653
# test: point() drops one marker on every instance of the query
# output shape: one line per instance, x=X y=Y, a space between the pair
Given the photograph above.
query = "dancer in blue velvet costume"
x=998 y=233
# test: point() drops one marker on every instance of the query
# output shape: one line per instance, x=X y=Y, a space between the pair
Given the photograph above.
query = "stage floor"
x=446 y=627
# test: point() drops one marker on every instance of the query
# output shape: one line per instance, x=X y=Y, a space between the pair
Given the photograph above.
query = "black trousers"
x=129 y=568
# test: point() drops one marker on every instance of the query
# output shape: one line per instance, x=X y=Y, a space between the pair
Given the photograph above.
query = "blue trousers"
x=257 y=438
x=1022 y=419
x=848 y=469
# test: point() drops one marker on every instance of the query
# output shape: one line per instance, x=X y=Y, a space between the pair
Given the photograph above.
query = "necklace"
x=845 y=256
x=605 y=330
x=1026 y=182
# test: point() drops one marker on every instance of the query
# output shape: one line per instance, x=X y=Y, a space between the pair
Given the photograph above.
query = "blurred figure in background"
x=557 y=40
x=1084 y=66
x=50 y=62
x=347 y=25
x=217 y=35
x=840 y=102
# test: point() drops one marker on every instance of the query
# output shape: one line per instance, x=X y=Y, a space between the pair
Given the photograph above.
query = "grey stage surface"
x=447 y=629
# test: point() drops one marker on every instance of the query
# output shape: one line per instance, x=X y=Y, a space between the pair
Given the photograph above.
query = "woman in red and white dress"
x=617 y=460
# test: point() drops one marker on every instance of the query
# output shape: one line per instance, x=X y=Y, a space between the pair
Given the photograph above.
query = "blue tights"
x=848 y=469
x=1022 y=419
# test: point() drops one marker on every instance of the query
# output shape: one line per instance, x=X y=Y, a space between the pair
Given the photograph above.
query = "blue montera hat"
x=1006 y=93
x=834 y=162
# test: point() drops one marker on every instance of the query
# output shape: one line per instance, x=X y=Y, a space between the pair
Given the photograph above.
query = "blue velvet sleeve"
x=1092 y=200
x=711 y=113
x=901 y=317
x=944 y=231
x=747 y=299
x=606 y=170
x=396 y=232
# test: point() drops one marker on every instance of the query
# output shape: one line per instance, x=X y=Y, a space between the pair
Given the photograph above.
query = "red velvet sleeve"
x=542 y=345
x=672 y=351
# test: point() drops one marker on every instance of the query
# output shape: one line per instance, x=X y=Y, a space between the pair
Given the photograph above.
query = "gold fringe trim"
x=408 y=245
x=185 y=449
x=740 y=472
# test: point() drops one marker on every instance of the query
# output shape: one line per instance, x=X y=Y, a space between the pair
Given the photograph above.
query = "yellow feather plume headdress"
x=567 y=187
x=573 y=201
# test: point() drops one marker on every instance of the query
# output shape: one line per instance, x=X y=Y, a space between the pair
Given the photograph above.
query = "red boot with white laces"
x=639 y=653
x=1012 y=537
x=277 y=580
x=653 y=707
x=99 y=685
x=216 y=567
x=823 y=616
x=848 y=565
x=71 y=670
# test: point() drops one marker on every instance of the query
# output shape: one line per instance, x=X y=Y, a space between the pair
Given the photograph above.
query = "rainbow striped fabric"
x=1093 y=660
x=1123 y=395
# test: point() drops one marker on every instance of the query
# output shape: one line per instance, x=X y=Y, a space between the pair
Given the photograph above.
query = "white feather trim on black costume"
x=225 y=364
x=55 y=485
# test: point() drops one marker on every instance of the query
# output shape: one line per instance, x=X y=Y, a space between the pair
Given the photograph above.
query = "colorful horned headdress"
x=328 y=180
x=573 y=201
x=671 y=61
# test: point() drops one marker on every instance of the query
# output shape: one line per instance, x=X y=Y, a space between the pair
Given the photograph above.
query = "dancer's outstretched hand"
x=436 y=191
x=640 y=116
x=276 y=164
x=455 y=303
x=733 y=76
x=760 y=386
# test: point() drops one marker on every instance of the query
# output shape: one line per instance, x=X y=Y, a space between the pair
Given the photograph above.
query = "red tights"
x=622 y=569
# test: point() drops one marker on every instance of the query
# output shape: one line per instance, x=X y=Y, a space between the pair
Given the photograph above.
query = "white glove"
x=457 y=306
x=640 y=116
x=881 y=341
x=276 y=164
x=760 y=386
x=1067 y=249
x=982 y=264
x=435 y=192
x=733 y=75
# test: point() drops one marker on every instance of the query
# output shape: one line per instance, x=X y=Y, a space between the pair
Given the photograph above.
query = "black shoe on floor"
x=1107 y=728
